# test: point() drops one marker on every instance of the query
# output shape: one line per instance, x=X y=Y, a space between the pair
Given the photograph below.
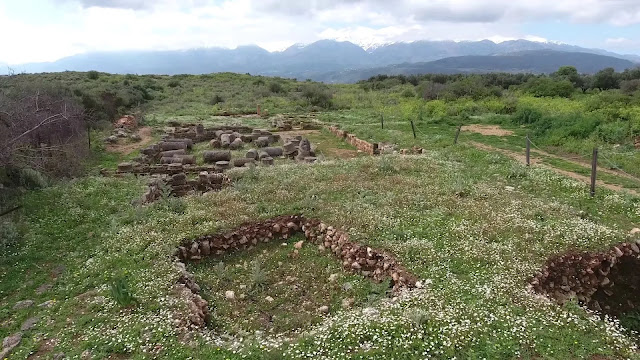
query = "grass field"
x=473 y=225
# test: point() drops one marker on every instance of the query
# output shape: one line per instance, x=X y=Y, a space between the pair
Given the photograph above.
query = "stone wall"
x=166 y=169
x=366 y=261
x=364 y=146
x=605 y=281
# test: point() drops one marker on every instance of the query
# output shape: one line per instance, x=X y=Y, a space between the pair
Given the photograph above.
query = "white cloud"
x=107 y=25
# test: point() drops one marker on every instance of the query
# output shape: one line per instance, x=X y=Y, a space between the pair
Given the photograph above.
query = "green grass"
x=298 y=284
x=477 y=251
x=475 y=226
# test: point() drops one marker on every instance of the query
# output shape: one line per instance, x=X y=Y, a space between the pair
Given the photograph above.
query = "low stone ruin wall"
x=179 y=185
x=366 y=261
x=606 y=281
x=157 y=169
x=364 y=146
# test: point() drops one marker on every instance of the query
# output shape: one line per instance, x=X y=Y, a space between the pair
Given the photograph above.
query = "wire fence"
x=598 y=156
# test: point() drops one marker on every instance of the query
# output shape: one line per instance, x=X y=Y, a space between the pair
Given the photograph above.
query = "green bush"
x=318 y=95
x=526 y=115
x=173 y=83
x=408 y=93
x=547 y=87
x=276 y=87
x=93 y=75
x=9 y=235
x=615 y=132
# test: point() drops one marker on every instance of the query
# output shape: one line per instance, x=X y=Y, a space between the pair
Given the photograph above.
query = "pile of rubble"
x=180 y=185
x=605 y=281
x=124 y=128
x=287 y=122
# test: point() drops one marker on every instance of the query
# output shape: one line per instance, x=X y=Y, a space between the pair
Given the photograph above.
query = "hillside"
x=385 y=219
x=533 y=61
x=313 y=61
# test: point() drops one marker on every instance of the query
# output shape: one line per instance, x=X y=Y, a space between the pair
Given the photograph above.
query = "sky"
x=47 y=30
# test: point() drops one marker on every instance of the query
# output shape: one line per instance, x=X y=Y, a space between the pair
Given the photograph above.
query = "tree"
x=569 y=73
x=606 y=79
x=41 y=130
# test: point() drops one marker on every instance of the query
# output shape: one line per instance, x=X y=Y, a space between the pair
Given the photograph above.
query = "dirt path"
x=537 y=161
x=125 y=149
x=494 y=130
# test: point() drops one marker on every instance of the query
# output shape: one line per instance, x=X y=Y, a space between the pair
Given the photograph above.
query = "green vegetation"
x=473 y=225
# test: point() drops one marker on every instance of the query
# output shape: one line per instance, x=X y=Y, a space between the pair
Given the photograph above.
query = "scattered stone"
x=212 y=157
x=23 y=304
x=230 y=295
x=347 y=303
x=333 y=277
x=29 y=323
x=267 y=160
x=111 y=139
x=321 y=248
x=9 y=343
x=136 y=137
x=59 y=356
x=323 y=309
x=269 y=299
x=299 y=244
x=634 y=231
x=370 y=312
x=252 y=154
x=509 y=188
x=47 y=304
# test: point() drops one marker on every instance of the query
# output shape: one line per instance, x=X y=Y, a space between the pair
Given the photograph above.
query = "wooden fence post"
x=382 y=120
x=594 y=166
x=528 y=151
x=413 y=127
x=455 y=141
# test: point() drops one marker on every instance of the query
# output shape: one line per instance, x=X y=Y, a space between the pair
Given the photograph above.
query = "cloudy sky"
x=46 y=30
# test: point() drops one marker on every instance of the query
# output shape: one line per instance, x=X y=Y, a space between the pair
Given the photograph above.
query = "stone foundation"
x=605 y=281
x=356 y=258
x=364 y=146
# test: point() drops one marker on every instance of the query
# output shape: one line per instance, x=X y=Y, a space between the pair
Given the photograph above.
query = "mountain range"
x=335 y=61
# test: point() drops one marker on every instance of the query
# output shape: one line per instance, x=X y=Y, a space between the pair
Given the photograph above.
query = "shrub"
x=217 y=99
x=173 y=83
x=615 y=132
x=543 y=86
x=317 y=95
x=93 y=75
x=276 y=87
x=9 y=235
x=408 y=93
x=526 y=115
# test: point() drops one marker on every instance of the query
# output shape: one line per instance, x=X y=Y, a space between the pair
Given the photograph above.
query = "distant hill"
x=325 y=60
x=533 y=61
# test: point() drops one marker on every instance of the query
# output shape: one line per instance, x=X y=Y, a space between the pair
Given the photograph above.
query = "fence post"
x=258 y=110
x=528 y=151
x=413 y=127
x=455 y=141
x=594 y=166
x=382 y=120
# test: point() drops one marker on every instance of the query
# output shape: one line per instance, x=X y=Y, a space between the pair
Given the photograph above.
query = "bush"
x=276 y=87
x=173 y=83
x=615 y=132
x=93 y=75
x=547 y=87
x=526 y=116
x=408 y=93
x=217 y=99
x=9 y=235
x=318 y=95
